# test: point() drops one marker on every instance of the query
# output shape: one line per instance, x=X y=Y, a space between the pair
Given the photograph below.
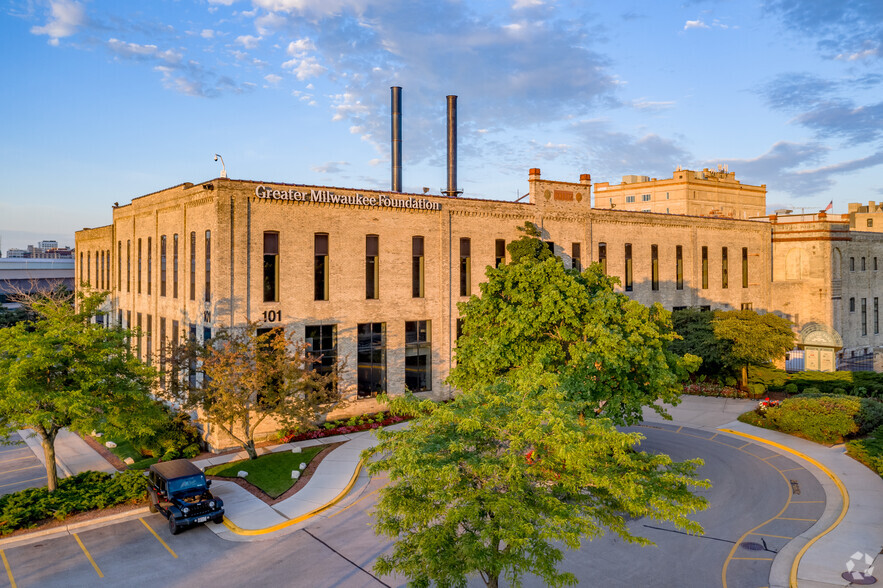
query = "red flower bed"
x=342 y=429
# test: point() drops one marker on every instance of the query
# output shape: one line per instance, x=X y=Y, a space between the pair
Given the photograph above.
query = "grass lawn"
x=272 y=472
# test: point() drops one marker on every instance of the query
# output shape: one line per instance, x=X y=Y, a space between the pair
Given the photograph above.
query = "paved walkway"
x=339 y=480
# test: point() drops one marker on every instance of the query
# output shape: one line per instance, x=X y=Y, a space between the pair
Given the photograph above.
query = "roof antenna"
x=223 y=167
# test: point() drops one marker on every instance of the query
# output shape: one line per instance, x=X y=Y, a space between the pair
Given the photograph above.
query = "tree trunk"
x=493 y=581
x=249 y=448
x=48 y=442
x=745 y=378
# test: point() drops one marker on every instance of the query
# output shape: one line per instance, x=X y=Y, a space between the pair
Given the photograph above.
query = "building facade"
x=375 y=277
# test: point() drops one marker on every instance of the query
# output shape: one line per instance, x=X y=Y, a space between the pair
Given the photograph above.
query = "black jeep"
x=178 y=489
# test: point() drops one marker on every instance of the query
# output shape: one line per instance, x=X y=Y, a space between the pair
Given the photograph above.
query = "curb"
x=252 y=532
x=34 y=536
x=844 y=494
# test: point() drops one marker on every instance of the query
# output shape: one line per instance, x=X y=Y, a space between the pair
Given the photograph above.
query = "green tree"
x=696 y=330
x=249 y=377
x=64 y=371
x=496 y=480
x=539 y=324
x=753 y=339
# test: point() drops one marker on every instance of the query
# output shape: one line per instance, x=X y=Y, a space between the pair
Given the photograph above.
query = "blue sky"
x=107 y=100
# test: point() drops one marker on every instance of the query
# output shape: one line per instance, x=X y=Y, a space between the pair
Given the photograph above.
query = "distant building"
x=16 y=253
x=53 y=251
x=694 y=193
x=33 y=275
x=48 y=245
x=866 y=218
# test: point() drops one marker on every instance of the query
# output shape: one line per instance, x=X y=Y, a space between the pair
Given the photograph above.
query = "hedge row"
x=869 y=451
x=821 y=418
x=86 y=491
x=863 y=384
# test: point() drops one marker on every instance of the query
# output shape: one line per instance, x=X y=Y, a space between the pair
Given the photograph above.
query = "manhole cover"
x=752 y=546
x=858 y=578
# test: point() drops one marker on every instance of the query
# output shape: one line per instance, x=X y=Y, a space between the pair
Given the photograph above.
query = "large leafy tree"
x=696 y=330
x=497 y=480
x=526 y=456
x=537 y=323
x=247 y=377
x=752 y=338
x=61 y=370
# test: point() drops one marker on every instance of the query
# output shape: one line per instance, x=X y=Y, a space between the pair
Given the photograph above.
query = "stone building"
x=375 y=277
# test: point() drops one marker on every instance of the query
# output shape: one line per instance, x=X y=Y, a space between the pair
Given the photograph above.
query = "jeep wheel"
x=174 y=529
x=218 y=519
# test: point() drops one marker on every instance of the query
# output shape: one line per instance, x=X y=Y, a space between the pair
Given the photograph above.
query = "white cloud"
x=695 y=24
x=66 y=17
x=137 y=51
x=273 y=79
x=304 y=68
x=248 y=41
x=207 y=34
x=222 y=2
x=521 y=4
x=866 y=54
x=652 y=106
x=330 y=167
x=300 y=47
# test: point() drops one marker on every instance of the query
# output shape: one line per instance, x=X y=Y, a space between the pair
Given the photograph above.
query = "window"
x=372 y=267
x=602 y=256
x=870 y=222
x=875 y=264
x=320 y=266
x=139 y=266
x=208 y=266
x=864 y=317
x=876 y=316
x=460 y=323
x=705 y=268
x=645 y=197
x=863 y=264
x=679 y=267
x=371 y=358
x=628 y=267
x=418 y=356
x=81 y=267
x=417 y=267
x=138 y=327
x=465 y=267
x=128 y=265
x=88 y=269
x=500 y=252
x=193 y=265
x=120 y=318
x=852 y=305
x=322 y=342
x=575 y=257
x=271 y=266
x=745 y=267
x=105 y=271
x=725 y=269
x=705 y=308
x=119 y=266
x=128 y=319
x=174 y=346
x=149 y=264
x=175 y=265
x=162 y=265
x=162 y=352
x=149 y=341
x=747 y=306
x=852 y=264
x=630 y=198
x=654 y=267
x=206 y=334
x=551 y=246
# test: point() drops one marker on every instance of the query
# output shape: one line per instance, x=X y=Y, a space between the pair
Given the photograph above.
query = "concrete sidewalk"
x=72 y=454
x=859 y=532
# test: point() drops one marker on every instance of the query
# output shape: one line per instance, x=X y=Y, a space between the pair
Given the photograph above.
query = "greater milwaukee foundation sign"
x=381 y=201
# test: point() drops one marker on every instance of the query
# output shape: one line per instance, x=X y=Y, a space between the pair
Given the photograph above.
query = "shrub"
x=86 y=491
x=839 y=391
x=811 y=391
x=869 y=451
x=791 y=388
x=825 y=419
x=757 y=389
x=870 y=416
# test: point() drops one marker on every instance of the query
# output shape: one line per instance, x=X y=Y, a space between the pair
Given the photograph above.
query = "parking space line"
x=21 y=482
x=793 y=469
x=158 y=538
x=31 y=456
x=356 y=502
x=793 y=519
x=8 y=569
x=752 y=558
x=712 y=437
x=39 y=465
x=744 y=446
x=768 y=535
x=86 y=551
x=679 y=429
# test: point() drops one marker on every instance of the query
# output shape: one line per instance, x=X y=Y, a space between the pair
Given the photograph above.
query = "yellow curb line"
x=240 y=531
x=829 y=473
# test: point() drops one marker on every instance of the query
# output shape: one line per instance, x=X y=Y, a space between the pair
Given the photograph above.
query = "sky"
x=104 y=100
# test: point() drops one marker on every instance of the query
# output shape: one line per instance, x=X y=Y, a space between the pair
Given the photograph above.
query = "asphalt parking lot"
x=19 y=467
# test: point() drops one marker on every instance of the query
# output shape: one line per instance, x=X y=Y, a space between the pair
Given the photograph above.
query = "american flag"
x=830 y=207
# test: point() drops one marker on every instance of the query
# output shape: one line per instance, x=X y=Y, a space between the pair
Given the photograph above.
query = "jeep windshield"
x=188 y=483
